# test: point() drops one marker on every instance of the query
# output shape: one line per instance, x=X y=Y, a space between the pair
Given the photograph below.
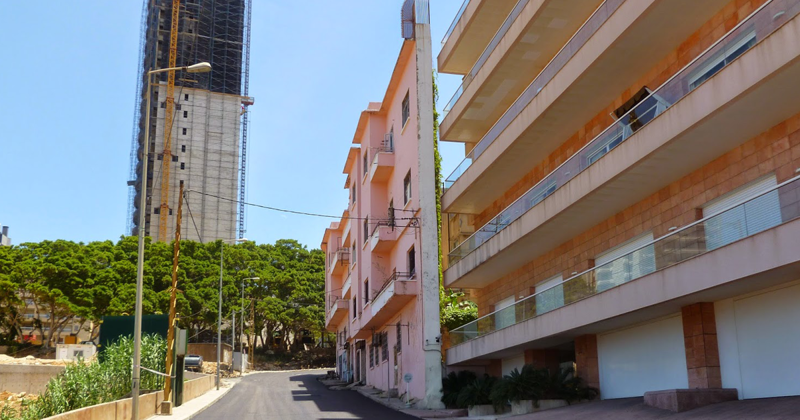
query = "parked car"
x=193 y=362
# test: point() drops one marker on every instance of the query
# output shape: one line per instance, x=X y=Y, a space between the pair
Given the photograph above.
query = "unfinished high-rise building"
x=207 y=151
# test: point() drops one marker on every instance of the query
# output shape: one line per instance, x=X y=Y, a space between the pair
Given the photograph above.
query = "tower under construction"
x=197 y=137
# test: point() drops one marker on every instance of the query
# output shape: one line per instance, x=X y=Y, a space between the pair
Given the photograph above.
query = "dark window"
x=385 y=345
x=406 y=110
x=174 y=158
x=353 y=255
x=184 y=131
x=371 y=355
x=163 y=104
x=157 y=210
x=183 y=165
x=160 y=157
x=170 y=212
x=412 y=261
x=186 y=97
x=366 y=229
x=365 y=163
x=366 y=291
x=353 y=194
x=185 y=114
x=178 y=107
x=183 y=148
x=407 y=188
x=399 y=345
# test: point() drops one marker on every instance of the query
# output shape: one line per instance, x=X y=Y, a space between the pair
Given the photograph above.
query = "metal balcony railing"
x=396 y=276
x=748 y=33
x=771 y=208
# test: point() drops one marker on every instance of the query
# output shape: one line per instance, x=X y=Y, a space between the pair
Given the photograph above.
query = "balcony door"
x=625 y=262
x=505 y=315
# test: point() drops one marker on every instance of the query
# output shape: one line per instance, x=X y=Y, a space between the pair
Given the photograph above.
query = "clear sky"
x=67 y=91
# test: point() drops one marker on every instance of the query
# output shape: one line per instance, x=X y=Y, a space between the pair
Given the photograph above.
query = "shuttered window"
x=619 y=265
x=552 y=297
x=743 y=220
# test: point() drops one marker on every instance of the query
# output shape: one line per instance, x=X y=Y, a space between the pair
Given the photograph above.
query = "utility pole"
x=172 y=301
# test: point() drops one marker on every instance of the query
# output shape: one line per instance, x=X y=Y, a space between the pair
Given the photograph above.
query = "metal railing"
x=744 y=36
x=581 y=36
x=455 y=21
x=771 y=208
x=396 y=276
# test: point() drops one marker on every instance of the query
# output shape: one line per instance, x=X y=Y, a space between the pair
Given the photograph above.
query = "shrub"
x=452 y=384
x=85 y=383
x=565 y=385
x=528 y=384
x=477 y=392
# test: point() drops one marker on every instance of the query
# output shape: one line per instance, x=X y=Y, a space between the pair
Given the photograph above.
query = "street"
x=294 y=395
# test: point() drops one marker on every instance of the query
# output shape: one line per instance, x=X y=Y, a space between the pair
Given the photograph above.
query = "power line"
x=302 y=213
x=188 y=207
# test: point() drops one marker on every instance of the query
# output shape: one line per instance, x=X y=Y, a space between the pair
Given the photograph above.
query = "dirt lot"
x=14 y=400
x=30 y=360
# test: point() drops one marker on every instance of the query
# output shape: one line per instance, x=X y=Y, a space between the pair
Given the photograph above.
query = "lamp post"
x=219 y=313
x=241 y=343
x=137 y=323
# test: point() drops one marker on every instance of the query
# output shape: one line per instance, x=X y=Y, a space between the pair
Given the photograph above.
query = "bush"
x=528 y=384
x=452 y=384
x=83 y=384
x=565 y=385
x=477 y=392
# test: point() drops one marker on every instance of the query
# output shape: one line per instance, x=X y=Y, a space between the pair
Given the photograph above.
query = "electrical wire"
x=301 y=213
x=188 y=207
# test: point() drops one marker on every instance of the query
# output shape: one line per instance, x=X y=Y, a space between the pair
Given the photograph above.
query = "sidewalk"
x=196 y=406
x=400 y=405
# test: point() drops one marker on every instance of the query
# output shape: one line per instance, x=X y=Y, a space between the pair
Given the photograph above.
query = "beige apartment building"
x=628 y=201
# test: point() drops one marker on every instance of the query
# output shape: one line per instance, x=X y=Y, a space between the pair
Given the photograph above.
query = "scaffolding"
x=208 y=30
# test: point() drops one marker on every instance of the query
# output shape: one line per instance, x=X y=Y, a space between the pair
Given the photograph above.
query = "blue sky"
x=67 y=90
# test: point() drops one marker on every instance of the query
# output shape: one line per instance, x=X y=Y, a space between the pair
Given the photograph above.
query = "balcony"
x=346 y=285
x=341 y=258
x=384 y=236
x=382 y=163
x=742 y=248
x=472 y=29
x=729 y=90
x=388 y=299
x=337 y=311
x=530 y=36
x=578 y=84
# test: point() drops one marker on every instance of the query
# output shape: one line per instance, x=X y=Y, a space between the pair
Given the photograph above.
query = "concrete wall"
x=149 y=404
x=32 y=379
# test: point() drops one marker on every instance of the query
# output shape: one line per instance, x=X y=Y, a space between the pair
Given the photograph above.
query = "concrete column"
x=431 y=328
x=700 y=341
x=586 y=360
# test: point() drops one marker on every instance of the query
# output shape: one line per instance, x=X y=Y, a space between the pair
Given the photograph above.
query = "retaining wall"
x=32 y=379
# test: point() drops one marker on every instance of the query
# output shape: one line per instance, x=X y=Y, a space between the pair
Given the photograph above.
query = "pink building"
x=381 y=269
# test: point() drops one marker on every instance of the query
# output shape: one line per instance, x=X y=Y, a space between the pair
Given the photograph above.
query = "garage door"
x=760 y=356
x=644 y=358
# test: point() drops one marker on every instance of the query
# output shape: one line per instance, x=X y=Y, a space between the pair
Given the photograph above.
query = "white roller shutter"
x=741 y=221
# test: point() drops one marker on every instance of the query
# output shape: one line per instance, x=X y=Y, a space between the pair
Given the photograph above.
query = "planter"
x=522 y=407
x=480 y=410
x=549 y=404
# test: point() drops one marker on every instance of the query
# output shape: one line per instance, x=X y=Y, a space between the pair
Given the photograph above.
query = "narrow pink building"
x=382 y=286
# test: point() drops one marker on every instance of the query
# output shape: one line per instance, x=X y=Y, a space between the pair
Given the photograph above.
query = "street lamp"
x=241 y=343
x=219 y=313
x=137 y=323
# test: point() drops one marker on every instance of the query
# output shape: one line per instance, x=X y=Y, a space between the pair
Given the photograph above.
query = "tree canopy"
x=68 y=281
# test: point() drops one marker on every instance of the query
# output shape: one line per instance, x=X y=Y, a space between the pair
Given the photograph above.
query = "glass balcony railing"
x=760 y=24
x=771 y=208
x=485 y=54
x=595 y=21
x=455 y=22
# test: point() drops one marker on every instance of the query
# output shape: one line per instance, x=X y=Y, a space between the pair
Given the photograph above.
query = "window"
x=160 y=156
x=366 y=291
x=185 y=114
x=625 y=262
x=366 y=229
x=721 y=59
x=385 y=345
x=183 y=165
x=412 y=262
x=542 y=194
x=552 y=297
x=371 y=355
x=744 y=220
x=354 y=254
x=354 y=307
x=637 y=111
x=406 y=109
x=186 y=97
x=505 y=314
x=157 y=210
x=353 y=192
x=407 y=188
x=178 y=107
x=399 y=345
x=174 y=158
x=183 y=148
x=365 y=163
x=184 y=131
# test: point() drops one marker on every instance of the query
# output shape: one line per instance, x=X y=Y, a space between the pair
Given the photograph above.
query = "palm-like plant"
x=565 y=385
x=477 y=392
x=453 y=383
x=526 y=384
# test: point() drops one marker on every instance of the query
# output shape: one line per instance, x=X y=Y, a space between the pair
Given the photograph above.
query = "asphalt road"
x=294 y=396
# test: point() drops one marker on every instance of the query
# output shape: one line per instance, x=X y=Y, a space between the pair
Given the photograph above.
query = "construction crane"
x=246 y=102
x=169 y=115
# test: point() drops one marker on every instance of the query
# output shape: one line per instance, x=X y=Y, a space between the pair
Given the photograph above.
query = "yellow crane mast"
x=169 y=115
